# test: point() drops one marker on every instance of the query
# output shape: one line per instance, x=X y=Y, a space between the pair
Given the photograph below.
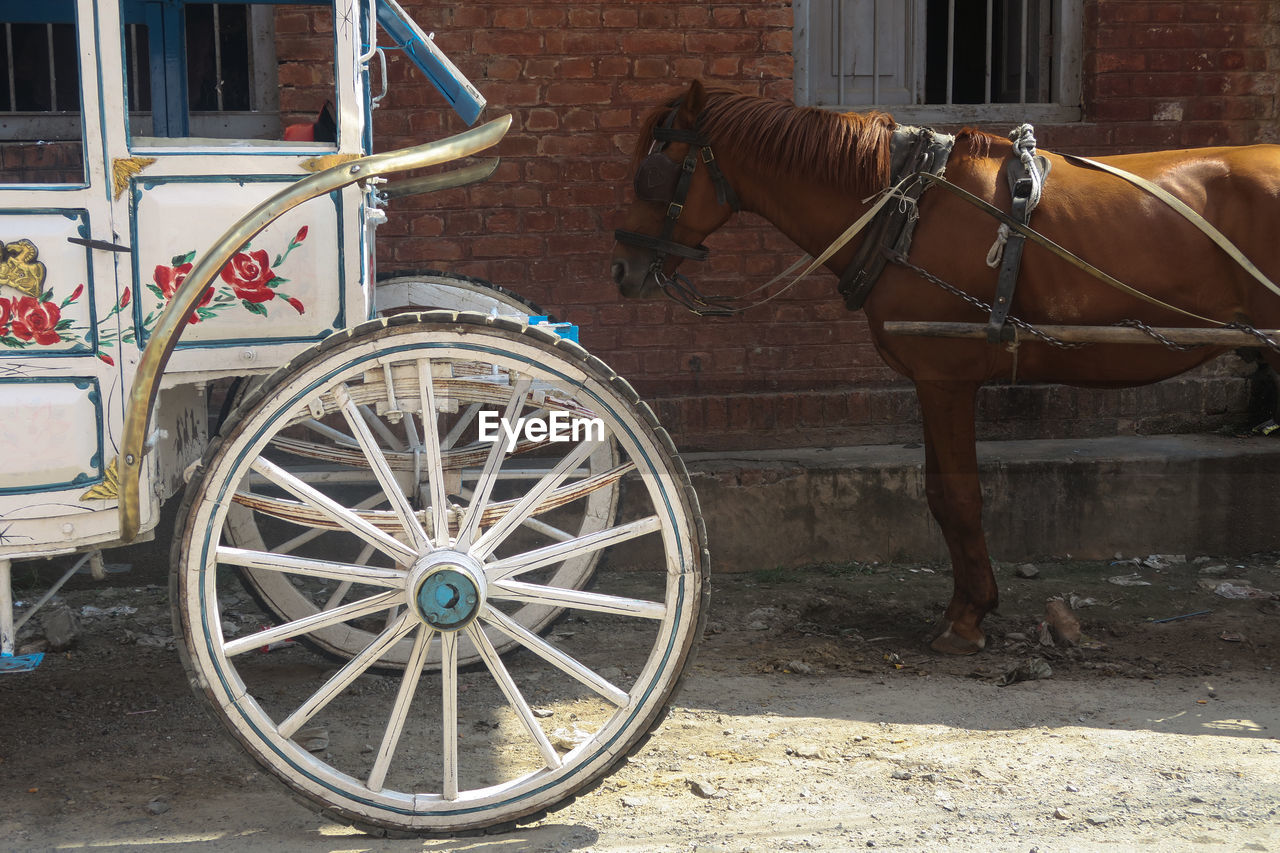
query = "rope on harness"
x=1024 y=145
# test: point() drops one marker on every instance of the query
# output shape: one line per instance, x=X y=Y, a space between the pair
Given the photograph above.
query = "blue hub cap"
x=448 y=599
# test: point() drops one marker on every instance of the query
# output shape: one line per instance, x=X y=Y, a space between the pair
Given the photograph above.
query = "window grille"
x=229 y=79
x=946 y=60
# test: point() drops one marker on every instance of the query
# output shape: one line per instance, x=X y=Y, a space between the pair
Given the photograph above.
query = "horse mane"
x=977 y=142
x=846 y=150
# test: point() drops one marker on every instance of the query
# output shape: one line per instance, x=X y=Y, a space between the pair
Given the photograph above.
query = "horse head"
x=680 y=196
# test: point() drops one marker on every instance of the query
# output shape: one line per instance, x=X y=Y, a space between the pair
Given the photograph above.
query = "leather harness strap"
x=1021 y=187
x=912 y=150
x=677 y=286
x=1066 y=255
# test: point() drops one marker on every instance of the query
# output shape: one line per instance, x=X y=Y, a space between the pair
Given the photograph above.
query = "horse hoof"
x=948 y=642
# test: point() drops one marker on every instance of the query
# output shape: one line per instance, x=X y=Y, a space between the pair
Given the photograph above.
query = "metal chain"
x=899 y=258
x=1143 y=327
x=1263 y=338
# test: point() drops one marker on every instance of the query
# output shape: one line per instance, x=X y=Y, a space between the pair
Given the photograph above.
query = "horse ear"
x=694 y=101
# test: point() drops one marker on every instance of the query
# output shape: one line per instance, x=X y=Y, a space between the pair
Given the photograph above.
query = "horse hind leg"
x=955 y=499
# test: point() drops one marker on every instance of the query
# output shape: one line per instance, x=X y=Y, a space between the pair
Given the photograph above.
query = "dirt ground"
x=814 y=718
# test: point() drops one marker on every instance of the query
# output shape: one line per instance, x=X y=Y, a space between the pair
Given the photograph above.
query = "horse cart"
x=412 y=501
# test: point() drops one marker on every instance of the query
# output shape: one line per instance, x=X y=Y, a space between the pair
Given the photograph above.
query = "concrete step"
x=1087 y=498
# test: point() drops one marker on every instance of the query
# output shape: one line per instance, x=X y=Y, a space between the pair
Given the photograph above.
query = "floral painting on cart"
x=285 y=284
x=45 y=282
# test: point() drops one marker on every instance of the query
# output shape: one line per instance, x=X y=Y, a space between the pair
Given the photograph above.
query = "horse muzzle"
x=632 y=272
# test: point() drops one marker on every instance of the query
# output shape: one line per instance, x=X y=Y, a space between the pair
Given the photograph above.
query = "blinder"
x=656 y=178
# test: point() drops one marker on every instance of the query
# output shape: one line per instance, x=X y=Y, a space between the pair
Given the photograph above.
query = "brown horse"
x=808 y=171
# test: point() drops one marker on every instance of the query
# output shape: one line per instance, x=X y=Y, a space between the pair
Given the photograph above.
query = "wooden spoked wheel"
x=442 y=749
x=328 y=443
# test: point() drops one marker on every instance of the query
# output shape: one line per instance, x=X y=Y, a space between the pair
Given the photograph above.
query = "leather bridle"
x=660 y=179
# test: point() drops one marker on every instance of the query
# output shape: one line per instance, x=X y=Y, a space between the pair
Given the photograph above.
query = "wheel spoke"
x=381 y=470
x=431 y=449
x=339 y=593
x=316 y=532
x=577 y=599
x=342 y=679
x=411 y=431
x=382 y=429
x=582 y=545
x=338 y=437
x=389 y=545
x=539 y=526
x=449 y=710
x=527 y=505
x=509 y=473
x=400 y=710
x=464 y=421
x=533 y=523
x=311 y=567
x=314 y=622
x=484 y=486
x=514 y=697
x=554 y=656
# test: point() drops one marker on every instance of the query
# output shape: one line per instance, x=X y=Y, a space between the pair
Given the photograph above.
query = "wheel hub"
x=447 y=590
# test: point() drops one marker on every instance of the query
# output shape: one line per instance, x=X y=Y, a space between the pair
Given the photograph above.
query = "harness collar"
x=911 y=150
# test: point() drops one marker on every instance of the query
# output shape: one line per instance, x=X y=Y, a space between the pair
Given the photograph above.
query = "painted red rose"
x=169 y=279
x=36 y=320
x=248 y=273
x=6 y=314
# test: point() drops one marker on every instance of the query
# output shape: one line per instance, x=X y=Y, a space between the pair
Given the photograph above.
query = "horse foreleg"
x=955 y=499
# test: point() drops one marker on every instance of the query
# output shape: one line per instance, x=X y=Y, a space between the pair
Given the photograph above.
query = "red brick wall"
x=42 y=162
x=1177 y=75
x=580 y=77
x=304 y=50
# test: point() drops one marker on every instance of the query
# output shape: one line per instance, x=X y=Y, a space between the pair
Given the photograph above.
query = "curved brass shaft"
x=146 y=383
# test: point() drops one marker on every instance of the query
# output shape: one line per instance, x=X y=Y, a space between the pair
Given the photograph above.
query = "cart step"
x=20 y=663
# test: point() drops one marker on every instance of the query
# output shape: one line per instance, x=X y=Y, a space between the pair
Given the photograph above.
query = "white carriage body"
x=77 y=316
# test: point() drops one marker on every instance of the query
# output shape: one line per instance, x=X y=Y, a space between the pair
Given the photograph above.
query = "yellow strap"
x=1196 y=219
x=1187 y=213
x=1068 y=256
x=886 y=195
x=849 y=233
